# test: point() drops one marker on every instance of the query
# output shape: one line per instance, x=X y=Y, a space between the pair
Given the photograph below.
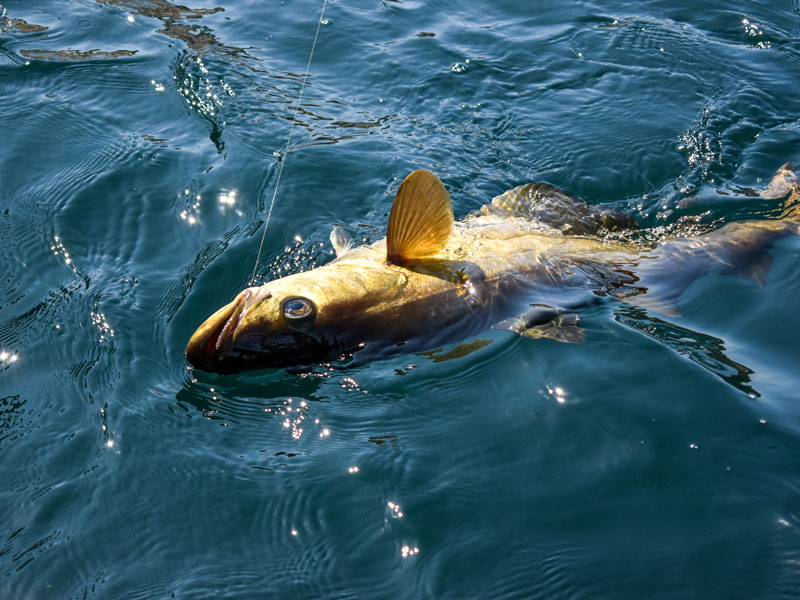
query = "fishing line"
x=288 y=141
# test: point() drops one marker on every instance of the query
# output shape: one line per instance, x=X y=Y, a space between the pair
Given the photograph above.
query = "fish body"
x=524 y=262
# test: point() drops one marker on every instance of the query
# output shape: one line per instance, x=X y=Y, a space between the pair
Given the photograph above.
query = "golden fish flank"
x=525 y=262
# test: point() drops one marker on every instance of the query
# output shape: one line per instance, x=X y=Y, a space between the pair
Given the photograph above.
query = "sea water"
x=140 y=143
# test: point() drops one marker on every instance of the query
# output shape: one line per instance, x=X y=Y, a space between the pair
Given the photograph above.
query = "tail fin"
x=738 y=248
x=785 y=183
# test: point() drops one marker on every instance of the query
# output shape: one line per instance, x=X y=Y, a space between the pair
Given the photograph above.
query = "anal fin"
x=757 y=268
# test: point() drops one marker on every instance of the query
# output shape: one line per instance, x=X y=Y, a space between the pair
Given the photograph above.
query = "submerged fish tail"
x=740 y=248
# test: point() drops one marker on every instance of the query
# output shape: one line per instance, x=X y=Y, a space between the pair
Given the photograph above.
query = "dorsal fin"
x=421 y=220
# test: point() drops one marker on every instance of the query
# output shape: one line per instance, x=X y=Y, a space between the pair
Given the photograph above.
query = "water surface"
x=141 y=143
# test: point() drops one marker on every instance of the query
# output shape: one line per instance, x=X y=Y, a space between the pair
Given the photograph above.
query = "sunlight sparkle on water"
x=189 y=214
x=191 y=219
x=752 y=29
x=395 y=510
x=59 y=250
x=559 y=393
x=8 y=357
x=295 y=416
x=227 y=198
x=99 y=320
x=407 y=551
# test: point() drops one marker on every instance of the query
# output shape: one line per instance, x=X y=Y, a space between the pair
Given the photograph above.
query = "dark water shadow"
x=703 y=350
x=250 y=397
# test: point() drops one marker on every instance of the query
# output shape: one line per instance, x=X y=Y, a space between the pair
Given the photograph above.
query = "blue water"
x=140 y=148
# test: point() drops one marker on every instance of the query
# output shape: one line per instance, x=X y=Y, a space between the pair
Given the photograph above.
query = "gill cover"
x=421 y=219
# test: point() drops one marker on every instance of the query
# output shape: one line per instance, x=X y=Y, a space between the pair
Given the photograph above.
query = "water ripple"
x=134 y=192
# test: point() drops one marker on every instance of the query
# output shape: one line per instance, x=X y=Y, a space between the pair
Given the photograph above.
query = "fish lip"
x=223 y=337
x=216 y=337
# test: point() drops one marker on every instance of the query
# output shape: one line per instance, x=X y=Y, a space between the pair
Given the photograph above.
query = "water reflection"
x=75 y=55
x=204 y=94
x=178 y=21
x=460 y=351
x=702 y=349
x=13 y=25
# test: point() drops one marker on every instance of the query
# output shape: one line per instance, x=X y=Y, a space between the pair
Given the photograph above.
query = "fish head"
x=301 y=319
x=322 y=314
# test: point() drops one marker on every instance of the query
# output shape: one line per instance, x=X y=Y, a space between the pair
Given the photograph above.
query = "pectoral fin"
x=341 y=240
x=757 y=268
x=544 y=322
x=421 y=220
x=565 y=328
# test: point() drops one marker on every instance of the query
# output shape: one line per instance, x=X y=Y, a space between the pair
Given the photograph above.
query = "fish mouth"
x=214 y=339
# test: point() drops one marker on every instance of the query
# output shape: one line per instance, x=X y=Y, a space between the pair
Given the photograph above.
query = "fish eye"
x=298 y=311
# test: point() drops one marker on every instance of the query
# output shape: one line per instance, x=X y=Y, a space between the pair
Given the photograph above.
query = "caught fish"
x=527 y=262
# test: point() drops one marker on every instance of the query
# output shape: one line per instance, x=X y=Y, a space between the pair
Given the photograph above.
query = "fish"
x=526 y=262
